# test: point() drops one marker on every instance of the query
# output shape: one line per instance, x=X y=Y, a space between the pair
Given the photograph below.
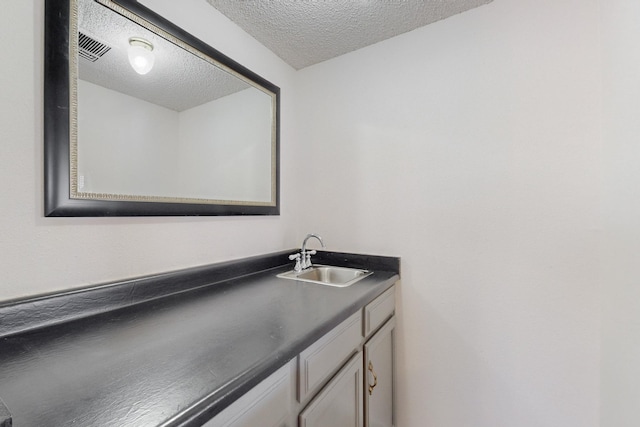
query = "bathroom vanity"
x=220 y=345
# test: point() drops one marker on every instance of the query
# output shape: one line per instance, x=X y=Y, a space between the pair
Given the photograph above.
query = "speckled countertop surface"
x=175 y=360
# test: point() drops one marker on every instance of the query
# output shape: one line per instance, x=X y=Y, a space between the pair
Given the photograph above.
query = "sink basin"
x=326 y=275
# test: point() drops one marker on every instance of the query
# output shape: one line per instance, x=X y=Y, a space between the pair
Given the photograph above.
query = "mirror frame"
x=58 y=117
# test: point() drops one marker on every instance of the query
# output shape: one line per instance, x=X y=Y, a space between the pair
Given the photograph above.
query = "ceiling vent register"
x=90 y=48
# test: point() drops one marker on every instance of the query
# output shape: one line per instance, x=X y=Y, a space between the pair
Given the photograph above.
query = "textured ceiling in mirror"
x=178 y=80
x=305 y=32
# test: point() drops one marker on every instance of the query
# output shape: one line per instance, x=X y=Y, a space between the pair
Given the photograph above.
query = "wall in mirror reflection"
x=220 y=150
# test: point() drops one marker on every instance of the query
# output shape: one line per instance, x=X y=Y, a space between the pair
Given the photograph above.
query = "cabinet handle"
x=375 y=378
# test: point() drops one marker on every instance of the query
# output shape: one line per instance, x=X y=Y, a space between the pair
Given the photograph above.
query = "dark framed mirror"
x=180 y=129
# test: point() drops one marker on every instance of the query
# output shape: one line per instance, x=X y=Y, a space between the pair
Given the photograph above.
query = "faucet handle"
x=306 y=261
x=298 y=266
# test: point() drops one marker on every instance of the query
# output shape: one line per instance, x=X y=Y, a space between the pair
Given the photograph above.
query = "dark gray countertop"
x=174 y=360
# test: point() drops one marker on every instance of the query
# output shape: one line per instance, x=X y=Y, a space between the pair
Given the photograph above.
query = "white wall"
x=621 y=213
x=40 y=254
x=228 y=140
x=179 y=154
x=470 y=148
x=119 y=153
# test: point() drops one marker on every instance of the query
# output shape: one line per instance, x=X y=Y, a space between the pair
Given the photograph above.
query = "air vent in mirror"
x=90 y=48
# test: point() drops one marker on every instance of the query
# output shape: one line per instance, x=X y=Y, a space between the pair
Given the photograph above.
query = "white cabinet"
x=362 y=393
x=266 y=405
x=379 y=361
x=379 y=386
x=339 y=403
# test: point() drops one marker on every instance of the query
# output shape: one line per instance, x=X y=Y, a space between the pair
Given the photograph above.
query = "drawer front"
x=324 y=357
x=379 y=310
x=267 y=404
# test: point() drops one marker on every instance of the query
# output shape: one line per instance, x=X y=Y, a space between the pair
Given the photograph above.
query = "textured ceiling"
x=302 y=32
x=305 y=32
x=178 y=80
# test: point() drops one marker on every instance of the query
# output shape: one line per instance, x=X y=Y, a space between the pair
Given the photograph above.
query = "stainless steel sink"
x=327 y=275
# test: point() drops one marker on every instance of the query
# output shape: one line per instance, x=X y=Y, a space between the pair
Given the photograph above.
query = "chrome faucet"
x=303 y=259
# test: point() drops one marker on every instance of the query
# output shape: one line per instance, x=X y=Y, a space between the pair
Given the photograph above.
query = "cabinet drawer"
x=379 y=310
x=267 y=404
x=324 y=357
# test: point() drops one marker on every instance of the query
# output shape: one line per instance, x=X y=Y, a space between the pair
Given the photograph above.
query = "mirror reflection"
x=171 y=125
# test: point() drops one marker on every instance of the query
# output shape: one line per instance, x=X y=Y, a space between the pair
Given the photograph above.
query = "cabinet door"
x=339 y=404
x=379 y=373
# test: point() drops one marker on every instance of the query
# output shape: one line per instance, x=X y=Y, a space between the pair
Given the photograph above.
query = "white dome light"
x=141 y=55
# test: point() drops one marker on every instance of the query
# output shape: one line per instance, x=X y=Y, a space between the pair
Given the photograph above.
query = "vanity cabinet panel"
x=340 y=403
x=379 y=365
x=379 y=310
x=324 y=357
x=267 y=405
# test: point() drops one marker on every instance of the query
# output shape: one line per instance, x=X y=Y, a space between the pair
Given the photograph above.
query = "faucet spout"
x=304 y=242
x=306 y=255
